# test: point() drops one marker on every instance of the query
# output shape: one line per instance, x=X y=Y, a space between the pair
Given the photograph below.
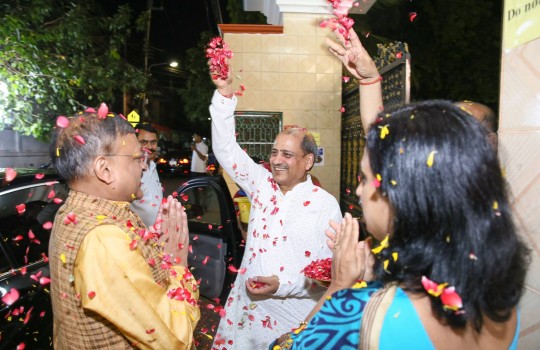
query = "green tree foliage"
x=455 y=45
x=57 y=57
x=237 y=15
x=199 y=88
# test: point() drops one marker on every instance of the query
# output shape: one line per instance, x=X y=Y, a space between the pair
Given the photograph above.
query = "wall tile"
x=252 y=62
x=288 y=44
x=306 y=101
x=307 y=64
x=308 y=45
x=325 y=82
x=325 y=64
x=270 y=101
x=288 y=63
x=307 y=82
x=270 y=62
x=270 y=43
x=270 y=81
x=235 y=42
x=252 y=42
x=288 y=81
x=307 y=25
x=251 y=80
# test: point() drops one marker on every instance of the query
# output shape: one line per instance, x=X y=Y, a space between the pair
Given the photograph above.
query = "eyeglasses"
x=146 y=142
x=143 y=158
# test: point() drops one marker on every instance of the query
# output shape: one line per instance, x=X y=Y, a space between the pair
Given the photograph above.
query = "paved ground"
x=207 y=326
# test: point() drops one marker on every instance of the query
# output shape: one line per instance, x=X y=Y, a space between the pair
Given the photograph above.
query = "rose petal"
x=10 y=297
x=62 y=122
x=103 y=110
x=10 y=174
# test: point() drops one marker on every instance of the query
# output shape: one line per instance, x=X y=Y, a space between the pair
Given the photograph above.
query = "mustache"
x=284 y=166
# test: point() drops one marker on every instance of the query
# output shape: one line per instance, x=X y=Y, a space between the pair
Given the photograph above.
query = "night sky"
x=175 y=25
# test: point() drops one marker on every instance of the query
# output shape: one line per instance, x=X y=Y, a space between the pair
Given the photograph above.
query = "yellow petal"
x=58 y=151
x=384 y=131
x=384 y=244
x=430 y=159
x=495 y=205
x=393 y=182
x=379 y=177
x=395 y=256
x=385 y=265
x=63 y=258
x=359 y=284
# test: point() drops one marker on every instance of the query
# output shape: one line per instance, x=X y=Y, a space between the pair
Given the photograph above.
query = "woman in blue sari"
x=450 y=269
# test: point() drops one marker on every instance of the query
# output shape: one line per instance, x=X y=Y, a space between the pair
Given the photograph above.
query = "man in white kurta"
x=286 y=232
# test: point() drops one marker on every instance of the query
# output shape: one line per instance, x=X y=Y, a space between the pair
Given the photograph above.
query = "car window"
x=23 y=213
x=202 y=205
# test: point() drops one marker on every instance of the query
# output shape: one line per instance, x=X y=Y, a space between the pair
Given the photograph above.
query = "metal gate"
x=256 y=132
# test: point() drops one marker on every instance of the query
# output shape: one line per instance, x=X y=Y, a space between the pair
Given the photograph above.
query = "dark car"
x=27 y=208
x=174 y=163
x=25 y=230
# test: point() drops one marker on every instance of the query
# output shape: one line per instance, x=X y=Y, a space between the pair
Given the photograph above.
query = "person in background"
x=485 y=116
x=115 y=284
x=450 y=268
x=286 y=230
x=147 y=206
x=198 y=159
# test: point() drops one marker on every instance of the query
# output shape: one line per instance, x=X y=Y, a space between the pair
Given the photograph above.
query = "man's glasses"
x=146 y=142
x=143 y=158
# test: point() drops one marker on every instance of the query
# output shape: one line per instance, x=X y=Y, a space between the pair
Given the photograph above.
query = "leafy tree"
x=58 y=56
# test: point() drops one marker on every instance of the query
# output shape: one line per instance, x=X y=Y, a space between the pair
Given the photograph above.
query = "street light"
x=172 y=64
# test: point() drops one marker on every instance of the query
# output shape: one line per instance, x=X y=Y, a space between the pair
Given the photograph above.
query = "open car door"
x=215 y=239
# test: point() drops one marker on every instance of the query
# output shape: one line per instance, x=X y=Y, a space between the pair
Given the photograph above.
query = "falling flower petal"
x=431 y=159
x=306 y=203
x=21 y=208
x=62 y=122
x=39 y=176
x=10 y=174
x=10 y=297
x=346 y=79
x=412 y=16
x=44 y=280
x=103 y=110
x=307 y=253
x=48 y=225
x=205 y=260
x=91 y=294
x=342 y=109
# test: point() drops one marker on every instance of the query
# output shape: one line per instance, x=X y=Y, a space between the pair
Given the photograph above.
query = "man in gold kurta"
x=115 y=284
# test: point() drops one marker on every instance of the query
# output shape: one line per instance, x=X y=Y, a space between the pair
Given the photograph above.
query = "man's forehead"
x=146 y=135
x=287 y=142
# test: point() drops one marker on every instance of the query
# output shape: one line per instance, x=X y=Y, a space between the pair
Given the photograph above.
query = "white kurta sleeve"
x=234 y=160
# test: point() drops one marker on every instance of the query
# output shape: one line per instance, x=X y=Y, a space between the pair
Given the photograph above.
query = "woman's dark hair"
x=452 y=221
x=71 y=158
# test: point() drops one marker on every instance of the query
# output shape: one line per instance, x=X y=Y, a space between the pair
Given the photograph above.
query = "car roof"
x=27 y=175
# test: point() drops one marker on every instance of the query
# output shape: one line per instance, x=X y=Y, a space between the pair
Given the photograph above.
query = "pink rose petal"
x=10 y=297
x=62 y=122
x=10 y=174
x=103 y=110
